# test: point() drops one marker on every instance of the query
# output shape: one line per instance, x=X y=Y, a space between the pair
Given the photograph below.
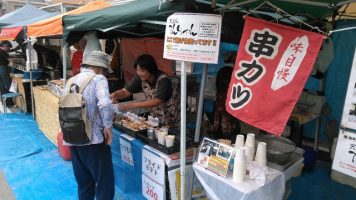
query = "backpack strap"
x=69 y=83
x=85 y=83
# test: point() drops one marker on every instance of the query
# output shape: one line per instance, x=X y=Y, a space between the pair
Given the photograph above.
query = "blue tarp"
x=22 y=14
x=34 y=170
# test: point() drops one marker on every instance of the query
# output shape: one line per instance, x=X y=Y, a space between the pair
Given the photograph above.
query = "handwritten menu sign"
x=151 y=190
x=126 y=153
x=193 y=37
x=153 y=166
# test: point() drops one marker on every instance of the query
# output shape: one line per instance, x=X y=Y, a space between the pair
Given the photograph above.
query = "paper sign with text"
x=345 y=154
x=126 y=153
x=215 y=156
x=272 y=66
x=152 y=190
x=349 y=112
x=153 y=166
x=193 y=37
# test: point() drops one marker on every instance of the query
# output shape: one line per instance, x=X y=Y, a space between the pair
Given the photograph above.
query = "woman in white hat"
x=92 y=162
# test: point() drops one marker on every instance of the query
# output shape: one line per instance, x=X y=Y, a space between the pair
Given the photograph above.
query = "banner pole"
x=183 y=109
x=201 y=103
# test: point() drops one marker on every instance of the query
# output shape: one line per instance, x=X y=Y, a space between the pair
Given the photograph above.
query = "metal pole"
x=201 y=102
x=318 y=120
x=199 y=119
x=64 y=62
x=29 y=46
x=183 y=110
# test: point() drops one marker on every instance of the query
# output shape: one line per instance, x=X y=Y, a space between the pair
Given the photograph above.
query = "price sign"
x=153 y=166
x=126 y=153
x=151 y=190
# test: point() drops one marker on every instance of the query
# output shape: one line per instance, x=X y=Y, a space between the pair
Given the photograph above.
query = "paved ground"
x=5 y=190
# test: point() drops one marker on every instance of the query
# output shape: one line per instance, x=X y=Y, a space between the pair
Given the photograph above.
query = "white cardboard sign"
x=153 y=166
x=152 y=190
x=345 y=154
x=126 y=153
x=349 y=112
x=193 y=37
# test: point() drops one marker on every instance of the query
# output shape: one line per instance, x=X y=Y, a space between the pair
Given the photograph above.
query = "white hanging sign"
x=193 y=37
x=126 y=153
x=349 y=112
x=345 y=154
x=152 y=190
x=153 y=166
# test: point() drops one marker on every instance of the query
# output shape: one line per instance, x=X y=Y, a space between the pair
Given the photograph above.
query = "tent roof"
x=53 y=26
x=114 y=18
x=32 y=20
x=24 y=13
x=319 y=9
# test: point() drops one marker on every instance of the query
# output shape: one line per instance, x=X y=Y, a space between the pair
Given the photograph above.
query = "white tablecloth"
x=220 y=188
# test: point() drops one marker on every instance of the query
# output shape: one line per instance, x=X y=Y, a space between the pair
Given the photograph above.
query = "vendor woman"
x=161 y=98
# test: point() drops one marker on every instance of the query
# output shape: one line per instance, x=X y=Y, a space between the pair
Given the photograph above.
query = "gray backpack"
x=73 y=120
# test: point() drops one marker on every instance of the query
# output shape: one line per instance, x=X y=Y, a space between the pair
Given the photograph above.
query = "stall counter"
x=46 y=112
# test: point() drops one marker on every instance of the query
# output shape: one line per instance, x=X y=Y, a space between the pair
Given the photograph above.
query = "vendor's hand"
x=127 y=106
x=113 y=98
x=108 y=135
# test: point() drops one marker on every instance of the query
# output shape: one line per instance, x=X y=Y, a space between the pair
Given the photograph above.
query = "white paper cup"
x=250 y=140
x=163 y=132
x=164 y=129
x=240 y=154
x=249 y=153
x=169 y=140
x=240 y=140
x=239 y=166
x=161 y=138
x=261 y=154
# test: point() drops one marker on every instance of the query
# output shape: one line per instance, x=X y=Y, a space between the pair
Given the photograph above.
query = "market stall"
x=75 y=26
x=13 y=26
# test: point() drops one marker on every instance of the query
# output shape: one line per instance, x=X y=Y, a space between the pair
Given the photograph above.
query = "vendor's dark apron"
x=168 y=111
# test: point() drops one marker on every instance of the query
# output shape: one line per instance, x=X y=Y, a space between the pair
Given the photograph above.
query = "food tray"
x=129 y=131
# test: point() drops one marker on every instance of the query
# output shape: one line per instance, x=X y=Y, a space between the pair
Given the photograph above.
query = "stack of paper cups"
x=261 y=154
x=249 y=153
x=240 y=140
x=239 y=166
x=250 y=141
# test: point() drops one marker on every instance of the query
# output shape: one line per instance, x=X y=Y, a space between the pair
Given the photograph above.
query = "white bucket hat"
x=98 y=59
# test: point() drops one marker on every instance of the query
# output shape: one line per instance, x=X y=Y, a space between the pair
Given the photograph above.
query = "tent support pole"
x=201 y=103
x=199 y=119
x=29 y=46
x=183 y=110
x=64 y=62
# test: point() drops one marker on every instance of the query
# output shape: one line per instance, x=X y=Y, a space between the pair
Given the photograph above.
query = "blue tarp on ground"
x=34 y=170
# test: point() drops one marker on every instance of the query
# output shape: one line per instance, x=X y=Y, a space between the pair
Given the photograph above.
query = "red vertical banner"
x=272 y=65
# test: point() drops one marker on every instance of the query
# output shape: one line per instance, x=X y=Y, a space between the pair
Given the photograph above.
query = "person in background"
x=5 y=79
x=77 y=58
x=225 y=125
x=92 y=163
x=161 y=98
